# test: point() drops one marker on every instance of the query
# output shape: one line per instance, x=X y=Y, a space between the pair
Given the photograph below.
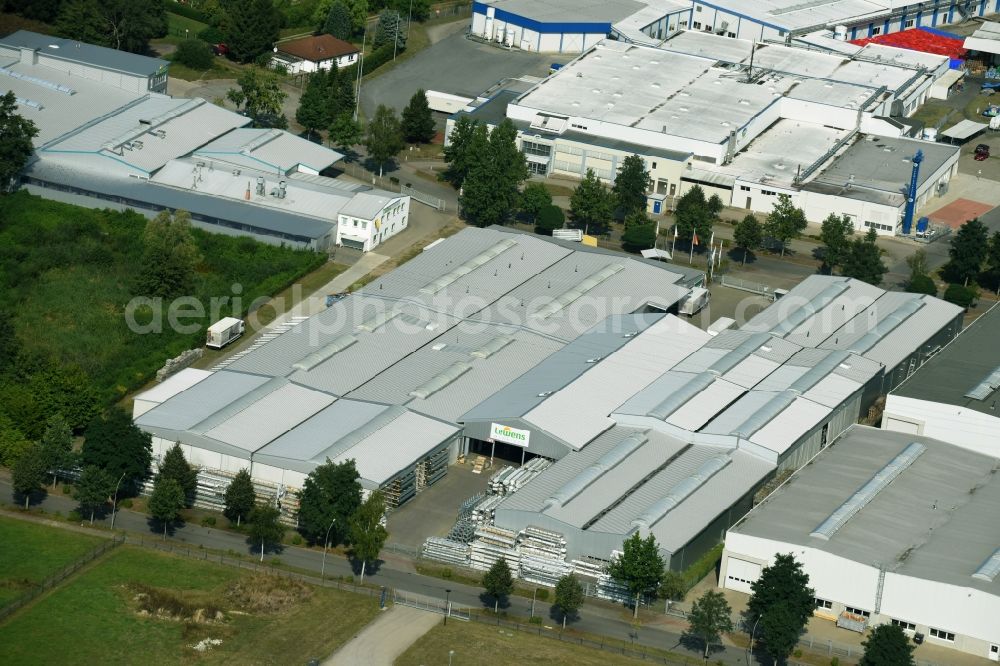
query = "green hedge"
x=702 y=566
x=188 y=12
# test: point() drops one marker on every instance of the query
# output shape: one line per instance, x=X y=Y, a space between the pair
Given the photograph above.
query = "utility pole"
x=361 y=70
x=114 y=502
x=326 y=545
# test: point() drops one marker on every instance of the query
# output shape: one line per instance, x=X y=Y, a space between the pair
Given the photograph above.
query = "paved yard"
x=433 y=512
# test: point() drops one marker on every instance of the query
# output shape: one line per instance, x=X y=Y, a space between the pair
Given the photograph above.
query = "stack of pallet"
x=480 y=464
x=447 y=550
x=463 y=530
x=482 y=513
x=543 y=556
x=589 y=568
x=465 y=510
x=607 y=588
x=492 y=543
x=543 y=570
x=509 y=479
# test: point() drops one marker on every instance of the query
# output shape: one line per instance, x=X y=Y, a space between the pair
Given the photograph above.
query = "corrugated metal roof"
x=268 y=149
x=788 y=426
x=75 y=51
x=174 y=384
x=261 y=421
x=195 y=404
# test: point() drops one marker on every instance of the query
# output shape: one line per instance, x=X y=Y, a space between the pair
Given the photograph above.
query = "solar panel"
x=986 y=387
x=868 y=492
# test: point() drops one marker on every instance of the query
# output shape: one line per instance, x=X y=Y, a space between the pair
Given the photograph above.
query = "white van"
x=224 y=331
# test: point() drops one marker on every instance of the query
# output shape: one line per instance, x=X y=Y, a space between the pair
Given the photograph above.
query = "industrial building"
x=109 y=138
x=745 y=121
x=382 y=376
x=954 y=397
x=892 y=528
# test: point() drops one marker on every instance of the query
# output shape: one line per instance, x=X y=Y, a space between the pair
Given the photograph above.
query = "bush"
x=543 y=594
x=447 y=573
x=67 y=489
x=208 y=521
x=835 y=661
x=212 y=35
x=195 y=54
x=922 y=284
x=964 y=297
x=188 y=12
x=639 y=237
x=549 y=219
x=534 y=619
x=379 y=57
x=296 y=539
x=127 y=503
x=74 y=517
x=797 y=654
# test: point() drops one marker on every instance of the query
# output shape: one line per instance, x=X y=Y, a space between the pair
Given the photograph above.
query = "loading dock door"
x=740 y=573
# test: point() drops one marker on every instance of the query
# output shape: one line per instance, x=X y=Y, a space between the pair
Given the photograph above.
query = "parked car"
x=982 y=152
x=220 y=49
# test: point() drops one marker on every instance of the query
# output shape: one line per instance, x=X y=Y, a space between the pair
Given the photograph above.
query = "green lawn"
x=177 y=24
x=30 y=553
x=94 y=618
x=217 y=71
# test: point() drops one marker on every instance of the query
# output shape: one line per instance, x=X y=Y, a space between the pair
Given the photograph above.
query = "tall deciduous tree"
x=591 y=205
x=93 y=489
x=169 y=256
x=569 y=596
x=166 y=502
x=385 y=137
x=56 y=445
x=498 y=582
x=693 y=216
x=265 y=526
x=863 y=260
x=338 y=21
x=126 y=25
x=490 y=191
x=467 y=136
x=240 y=498
x=748 y=235
x=534 y=198
x=785 y=222
x=631 y=184
x=16 y=134
x=709 y=618
x=887 y=645
x=175 y=466
x=991 y=273
x=549 y=219
x=113 y=443
x=917 y=262
x=314 y=109
x=259 y=95
x=345 y=132
x=418 y=123
x=252 y=28
x=13 y=443
x=967 y=253
x=835 y=234
x=782 y=601
x=28 y=474
x=368 y=535
x=331 y=494
x=639 y=568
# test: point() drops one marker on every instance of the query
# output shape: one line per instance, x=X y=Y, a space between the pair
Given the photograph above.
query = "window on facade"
x=906 y=626
x=781 y=33
x=858 y=611
x=697 y=8
x=654 y=165
x=537 y=169
x=877 y=30
x=364 y=225
x=355 y=222
x=769 y=193
x=696 y=25
x=908 y=23
x=745 y=188
x=823 y=603
x=661 y=186
x=532 y=148
x=942 y=635
x=684 y=24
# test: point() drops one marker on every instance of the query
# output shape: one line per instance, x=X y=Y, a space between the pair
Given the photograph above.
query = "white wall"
x=818 y=206
x=814 y=112
x=393 y=218
x=960 y=426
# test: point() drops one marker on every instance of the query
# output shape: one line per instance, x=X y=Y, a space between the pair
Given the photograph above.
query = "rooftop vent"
x=492 y=347
x=312 y=360
x=438 y=382
x=576 y=292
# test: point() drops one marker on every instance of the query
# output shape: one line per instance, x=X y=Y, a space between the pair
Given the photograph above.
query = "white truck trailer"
x=224 y=331
x=694 y=301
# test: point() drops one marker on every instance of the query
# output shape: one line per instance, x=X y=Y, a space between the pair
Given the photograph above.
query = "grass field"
x=481 y=644
x=177 y=24
x=30 y=553
x=95 y=617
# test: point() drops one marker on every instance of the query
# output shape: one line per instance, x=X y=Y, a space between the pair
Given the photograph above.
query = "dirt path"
x=382 y=641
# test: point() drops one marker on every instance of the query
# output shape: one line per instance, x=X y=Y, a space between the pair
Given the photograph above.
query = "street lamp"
x=447 y=612
x=752 y=632
x=114 y=502
x=451 y=653
x=326 y=544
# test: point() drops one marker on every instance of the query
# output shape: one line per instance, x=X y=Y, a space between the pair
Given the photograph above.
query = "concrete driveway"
x=382 y=641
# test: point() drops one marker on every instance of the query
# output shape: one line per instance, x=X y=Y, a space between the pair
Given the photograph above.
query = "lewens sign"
x=508 y=435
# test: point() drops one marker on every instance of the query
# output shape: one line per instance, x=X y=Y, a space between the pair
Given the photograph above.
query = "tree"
x=748 y=235
x=693 y=215
x=339 y=93
x=639 y=568
x=13 y=443
x=166 y=502
x=591 y=205
x=864 y=260
x=390 y=30
x=56 y=445
x=338 y=21
x=93 y=489
x=887 y=645
x=259 y=94
x=331 y=494
x=990 y=277
x=418 y=123
x=240 y=497
x=922 y=284
x=194 y=53
x=637 y=218
x=498 y=582
x=631 y=184
x=962 y=296
x=265 y=526
x=252 y=28
x=28 y=473
x=782 y=601
x=639 y=237
x=313 y=112
x=345 y=132
x=16 y=134
x=125 y=25
x=368 y=535
x=385 y=137
x=709 y=618
x=569 y=596
x=673 y=586
x=785 y=222
x=459 y=152
x=714 y=206
x=918 y=263
x=549 y=219
x=176 y=467
x=113 y=443
x=967 y=253
x=835 y=234
x=490 y=191
x=534 y=197
x=169 y=256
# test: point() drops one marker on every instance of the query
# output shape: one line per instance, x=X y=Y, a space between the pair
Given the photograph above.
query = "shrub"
x=446 y=573
x=67 y=489
x=74 y=517
x=188 y=12
x=549 y=218
x=964 y=297
x=922 y=284
x=195 y=54
x=212 y=35
x=208 y=521
x=543 y=594
x=835 y=661
x=534 y=619
x=296 y=539
x=797 y=654
x=127 y=503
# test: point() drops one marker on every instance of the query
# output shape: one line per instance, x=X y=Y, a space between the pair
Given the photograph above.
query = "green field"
x=177 y=24
x=97 y=616
x=30 y=553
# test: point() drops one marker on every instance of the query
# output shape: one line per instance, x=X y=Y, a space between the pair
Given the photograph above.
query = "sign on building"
x=508 y=435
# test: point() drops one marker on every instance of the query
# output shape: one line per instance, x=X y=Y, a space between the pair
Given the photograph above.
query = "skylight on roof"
x=984 y=388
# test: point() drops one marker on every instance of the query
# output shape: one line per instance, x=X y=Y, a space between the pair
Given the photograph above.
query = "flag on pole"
x=694 y=239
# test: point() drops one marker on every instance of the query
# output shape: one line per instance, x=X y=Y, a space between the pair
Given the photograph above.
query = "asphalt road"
x=596 y=617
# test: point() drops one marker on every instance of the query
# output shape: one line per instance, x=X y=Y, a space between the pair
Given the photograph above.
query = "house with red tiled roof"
x=313 y=53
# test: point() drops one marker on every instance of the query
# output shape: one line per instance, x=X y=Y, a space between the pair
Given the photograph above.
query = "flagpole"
x=673 y=244
x=691 y=258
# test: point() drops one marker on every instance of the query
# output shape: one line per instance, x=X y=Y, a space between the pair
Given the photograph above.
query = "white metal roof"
x=268 y=150
x=173 y=385
x=985 y=39
x=964 y=129
x=263 y=420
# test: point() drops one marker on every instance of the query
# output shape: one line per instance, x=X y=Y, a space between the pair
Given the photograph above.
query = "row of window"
x=939 y=634
x=881 y=227
x=532 y=148
x=943 y=635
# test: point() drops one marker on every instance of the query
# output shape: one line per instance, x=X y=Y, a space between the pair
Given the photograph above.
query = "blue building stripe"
x=539 y=26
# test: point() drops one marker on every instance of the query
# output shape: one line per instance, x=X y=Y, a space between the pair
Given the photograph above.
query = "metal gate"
x=430 y=604
x=422 y=197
